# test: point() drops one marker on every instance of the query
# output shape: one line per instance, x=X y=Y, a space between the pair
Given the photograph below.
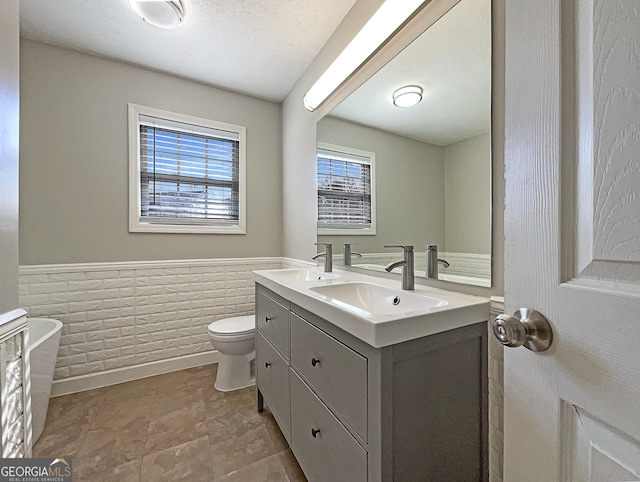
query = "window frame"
x=350 y=151
x=136 y=225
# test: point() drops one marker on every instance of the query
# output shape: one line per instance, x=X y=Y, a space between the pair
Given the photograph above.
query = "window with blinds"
x=346 y=202
x=189 y=174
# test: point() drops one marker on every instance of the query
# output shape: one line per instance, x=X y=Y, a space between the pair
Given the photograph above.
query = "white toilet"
x=234 y=338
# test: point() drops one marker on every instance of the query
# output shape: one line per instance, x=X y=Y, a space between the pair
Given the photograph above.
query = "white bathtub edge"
x=57 y=328
x=126 y=374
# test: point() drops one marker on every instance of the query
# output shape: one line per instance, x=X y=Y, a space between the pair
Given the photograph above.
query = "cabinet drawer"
x=333 y=454
x=335 y=371
x=273 y=320
x=273 y=382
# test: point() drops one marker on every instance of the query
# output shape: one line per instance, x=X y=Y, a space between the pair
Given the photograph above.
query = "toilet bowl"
x=234 y=338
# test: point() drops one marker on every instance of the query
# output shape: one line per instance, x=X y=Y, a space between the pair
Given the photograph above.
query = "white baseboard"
x=127 y=374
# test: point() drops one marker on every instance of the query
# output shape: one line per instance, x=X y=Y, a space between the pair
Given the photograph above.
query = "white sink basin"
x=370 y=299
x=374 y=309
x=293 y=275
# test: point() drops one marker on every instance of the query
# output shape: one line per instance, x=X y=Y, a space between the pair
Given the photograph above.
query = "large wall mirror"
x=417 y=175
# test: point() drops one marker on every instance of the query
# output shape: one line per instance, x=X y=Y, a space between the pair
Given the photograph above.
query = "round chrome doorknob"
x=526 y=327
x=509 y=331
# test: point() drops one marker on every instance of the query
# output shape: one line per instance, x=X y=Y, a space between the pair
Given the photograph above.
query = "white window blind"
x=344 y=190
x=188 y=174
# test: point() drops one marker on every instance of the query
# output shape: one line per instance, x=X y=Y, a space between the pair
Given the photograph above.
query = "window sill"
x=185 y=229
x=346 y=232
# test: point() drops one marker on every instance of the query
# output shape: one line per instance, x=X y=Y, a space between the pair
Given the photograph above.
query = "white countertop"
x=377 y=329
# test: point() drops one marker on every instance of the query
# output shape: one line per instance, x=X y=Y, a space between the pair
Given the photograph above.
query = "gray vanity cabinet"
x=274 y=382
x=415 y=411
x=323 y=446
x=272 y=320
x=333 y=370
x=272 y=357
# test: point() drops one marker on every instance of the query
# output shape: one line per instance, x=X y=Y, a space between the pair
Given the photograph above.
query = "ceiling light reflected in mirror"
x=168 y=14
x=407 y=96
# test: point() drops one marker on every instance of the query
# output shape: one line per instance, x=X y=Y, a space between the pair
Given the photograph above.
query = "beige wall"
x=299 y=141
x=281 y=223
x=410 y=190
x=467 y=174
x=9 y=110
x=74 y=161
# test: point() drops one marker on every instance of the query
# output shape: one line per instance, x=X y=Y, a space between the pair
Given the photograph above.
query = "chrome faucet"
x=433 y=261
x=347 y=253
x=328 y=256
x=406 y=262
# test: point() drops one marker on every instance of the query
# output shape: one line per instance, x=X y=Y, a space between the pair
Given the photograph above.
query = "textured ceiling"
x=257 y=47
x=451 y=61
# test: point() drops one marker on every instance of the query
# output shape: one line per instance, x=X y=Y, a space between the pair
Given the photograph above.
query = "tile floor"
x=169 y=427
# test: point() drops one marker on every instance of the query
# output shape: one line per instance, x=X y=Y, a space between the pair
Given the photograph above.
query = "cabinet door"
x=325 y=449
x=335 y=371
x=272 y=320
x=273 y=382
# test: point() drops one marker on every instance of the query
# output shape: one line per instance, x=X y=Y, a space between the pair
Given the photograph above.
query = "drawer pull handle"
x=267 y=319
x=267 y=365
x=315 y=361
x=314 y=432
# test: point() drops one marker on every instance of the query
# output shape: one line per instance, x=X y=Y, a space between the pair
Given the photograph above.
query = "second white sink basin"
x=375 y=299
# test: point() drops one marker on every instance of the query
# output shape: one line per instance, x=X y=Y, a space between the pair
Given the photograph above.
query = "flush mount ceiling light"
x=407 y=96
x=160 y=13
x=383 y=23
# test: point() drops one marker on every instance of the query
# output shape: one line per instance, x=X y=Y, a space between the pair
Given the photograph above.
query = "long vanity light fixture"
x=386 y=20
x=167 y=14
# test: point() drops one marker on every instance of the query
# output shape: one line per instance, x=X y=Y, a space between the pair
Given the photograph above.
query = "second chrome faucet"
x=406 y=263
x=433 y=261
x=347 y=253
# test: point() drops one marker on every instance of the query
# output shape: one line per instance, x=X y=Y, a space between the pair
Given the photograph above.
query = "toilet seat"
x=236 y=328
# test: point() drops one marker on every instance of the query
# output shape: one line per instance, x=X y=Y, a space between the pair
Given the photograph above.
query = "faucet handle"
x=323 y=244
x=349 y=244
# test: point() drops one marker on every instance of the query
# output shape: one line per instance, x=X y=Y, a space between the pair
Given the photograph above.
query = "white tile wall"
x=419 y=258
x=467 y=264
x=122 y=314
x=463 y=264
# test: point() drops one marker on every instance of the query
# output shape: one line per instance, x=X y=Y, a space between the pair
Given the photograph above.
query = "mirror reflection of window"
x=346 y=191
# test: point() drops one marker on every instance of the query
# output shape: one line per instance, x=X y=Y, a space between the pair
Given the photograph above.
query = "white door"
x=572 y=238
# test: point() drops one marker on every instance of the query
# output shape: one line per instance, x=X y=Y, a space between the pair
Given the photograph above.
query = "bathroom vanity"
x=352 y=411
